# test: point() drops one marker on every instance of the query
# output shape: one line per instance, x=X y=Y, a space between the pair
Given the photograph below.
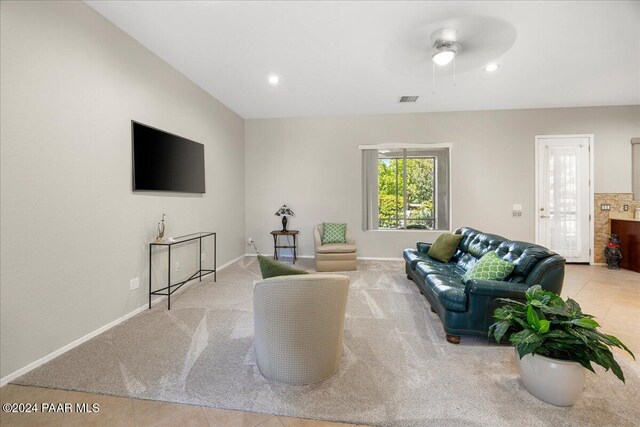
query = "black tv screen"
x=166 y=162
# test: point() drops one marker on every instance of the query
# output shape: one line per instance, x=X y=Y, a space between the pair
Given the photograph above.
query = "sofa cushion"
x=444 y=247
x=483 y=243
x=466 y=261
x=423 y=247
x=450 y=269
x=334 y=233
x=523 y=255
x=467 y=237
x=490 y=267
x=473 y=246
x=449 y=291
x=336 y=248
x=413 y=256
x=272 y=268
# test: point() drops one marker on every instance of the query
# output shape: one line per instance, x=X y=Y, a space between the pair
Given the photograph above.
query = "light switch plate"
x=517 y=209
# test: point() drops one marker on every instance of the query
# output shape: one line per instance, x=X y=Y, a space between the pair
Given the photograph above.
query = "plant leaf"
x=500 y=329
x=532 y=318
x=574 y=307
x=560 y=311
x=544 y=326
x=585 y=323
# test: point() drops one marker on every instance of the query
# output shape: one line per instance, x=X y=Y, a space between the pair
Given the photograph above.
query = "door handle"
x=545 y=216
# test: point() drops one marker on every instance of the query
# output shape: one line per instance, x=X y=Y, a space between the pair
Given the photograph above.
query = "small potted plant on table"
x=554 y=342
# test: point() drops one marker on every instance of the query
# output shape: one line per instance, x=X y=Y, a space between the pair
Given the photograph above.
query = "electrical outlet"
x=203 y=256
x=249 y=241
x=625 y=208
x=177 y=265
x=134 y=284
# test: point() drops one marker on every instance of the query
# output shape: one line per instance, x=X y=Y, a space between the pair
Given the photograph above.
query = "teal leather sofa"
x=466 y=308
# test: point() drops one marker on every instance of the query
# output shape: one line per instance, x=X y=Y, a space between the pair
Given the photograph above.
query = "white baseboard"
x=227 y=264
x=68 y=347
x=360 y=258
x=10 y=377
x=286 y=257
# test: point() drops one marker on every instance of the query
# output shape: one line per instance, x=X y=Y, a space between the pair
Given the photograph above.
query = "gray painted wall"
x=73 y=232
x=313 y=165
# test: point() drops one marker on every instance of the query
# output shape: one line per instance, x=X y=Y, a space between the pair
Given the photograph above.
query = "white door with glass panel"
x=563 y=196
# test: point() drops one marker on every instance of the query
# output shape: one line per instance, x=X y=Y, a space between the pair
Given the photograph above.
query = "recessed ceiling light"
x=273 y=80
x=491 y=67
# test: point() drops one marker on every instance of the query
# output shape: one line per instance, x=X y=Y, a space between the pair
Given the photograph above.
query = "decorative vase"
x=613 y=253
x=558 y=382
x=160 y=230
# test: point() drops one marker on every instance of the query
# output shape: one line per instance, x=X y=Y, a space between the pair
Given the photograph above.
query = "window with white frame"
x=406 y=188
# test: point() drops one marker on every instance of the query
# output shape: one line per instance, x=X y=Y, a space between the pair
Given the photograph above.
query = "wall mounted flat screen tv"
x=166 y=162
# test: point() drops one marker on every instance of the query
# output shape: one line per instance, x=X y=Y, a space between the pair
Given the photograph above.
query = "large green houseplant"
x=546 y=325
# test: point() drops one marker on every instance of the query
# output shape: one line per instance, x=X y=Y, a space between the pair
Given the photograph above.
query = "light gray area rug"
x=397 y=369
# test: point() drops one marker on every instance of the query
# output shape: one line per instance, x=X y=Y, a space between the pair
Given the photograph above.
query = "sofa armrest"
x=348 y=237
x=494 y=288
x=317 y=239
x=423 y=247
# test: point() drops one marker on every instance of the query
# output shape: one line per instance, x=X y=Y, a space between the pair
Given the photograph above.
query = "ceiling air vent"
x=407 y=99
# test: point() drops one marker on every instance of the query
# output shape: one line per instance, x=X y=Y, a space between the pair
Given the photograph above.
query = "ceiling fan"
x=465 y=43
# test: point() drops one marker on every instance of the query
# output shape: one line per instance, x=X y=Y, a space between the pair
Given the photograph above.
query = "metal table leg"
x=215 y=255
x=275 y=246
x=150 y=247
x=295 y=245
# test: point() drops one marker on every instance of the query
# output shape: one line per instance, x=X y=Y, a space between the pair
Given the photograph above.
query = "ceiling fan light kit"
x=445 y=48
x=444 y=51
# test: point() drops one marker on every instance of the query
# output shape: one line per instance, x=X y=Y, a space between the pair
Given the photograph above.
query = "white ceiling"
x=338 y=58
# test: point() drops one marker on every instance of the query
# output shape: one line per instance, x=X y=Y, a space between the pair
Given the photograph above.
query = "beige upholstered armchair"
x=299 y=326
x=335 y=256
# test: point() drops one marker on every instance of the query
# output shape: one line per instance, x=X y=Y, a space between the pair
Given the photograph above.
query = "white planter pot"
x=558 y=382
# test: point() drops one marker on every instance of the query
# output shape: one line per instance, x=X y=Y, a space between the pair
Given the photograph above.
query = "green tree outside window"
x=419 y=209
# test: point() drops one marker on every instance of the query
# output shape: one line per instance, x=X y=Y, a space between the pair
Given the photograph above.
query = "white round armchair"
x=299 y=326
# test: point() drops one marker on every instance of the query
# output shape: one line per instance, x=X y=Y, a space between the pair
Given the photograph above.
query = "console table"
x=276 y=233
x=170 y=289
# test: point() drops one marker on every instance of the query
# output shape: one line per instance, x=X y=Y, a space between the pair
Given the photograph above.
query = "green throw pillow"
x=272 y=268
x=444 y=247
x=334 y=233
x=489 y=267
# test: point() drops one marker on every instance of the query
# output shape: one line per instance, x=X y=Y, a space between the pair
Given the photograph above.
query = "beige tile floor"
x=612 y=296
